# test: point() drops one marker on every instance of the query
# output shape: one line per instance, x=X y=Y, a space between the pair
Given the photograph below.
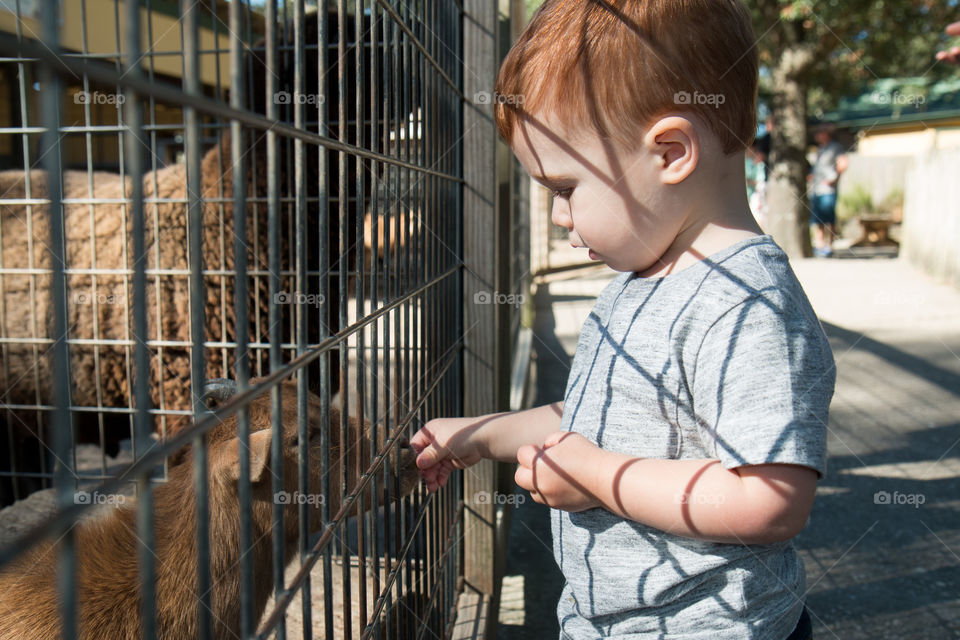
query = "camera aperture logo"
x=485 y=297
x=95 y=497
x=896 y=498
x=485 y=497
x=285 y=497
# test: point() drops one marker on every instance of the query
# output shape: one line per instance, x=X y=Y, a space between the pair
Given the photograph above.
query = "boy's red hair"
x=618 y=64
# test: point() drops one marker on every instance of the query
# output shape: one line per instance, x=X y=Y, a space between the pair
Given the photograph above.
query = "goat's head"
x=347 y=460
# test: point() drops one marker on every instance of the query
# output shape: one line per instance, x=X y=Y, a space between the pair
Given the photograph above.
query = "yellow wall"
x=909 y=142
x=103 y=36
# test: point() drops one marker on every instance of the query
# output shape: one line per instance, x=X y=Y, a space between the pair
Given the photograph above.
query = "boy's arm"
x=446 y=444
x=757 y=504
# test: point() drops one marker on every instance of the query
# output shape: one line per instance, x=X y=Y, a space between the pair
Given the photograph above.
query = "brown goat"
x=108 y=583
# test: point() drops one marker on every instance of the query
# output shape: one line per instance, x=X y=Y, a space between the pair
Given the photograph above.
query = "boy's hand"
x=445 y=444
x=559 y=474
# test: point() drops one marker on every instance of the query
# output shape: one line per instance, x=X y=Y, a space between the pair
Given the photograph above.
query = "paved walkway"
x=882 y=547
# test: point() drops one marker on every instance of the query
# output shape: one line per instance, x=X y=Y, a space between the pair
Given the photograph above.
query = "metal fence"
x=231 y=253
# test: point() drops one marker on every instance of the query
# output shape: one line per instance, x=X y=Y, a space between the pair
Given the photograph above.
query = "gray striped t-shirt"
x=722 y=360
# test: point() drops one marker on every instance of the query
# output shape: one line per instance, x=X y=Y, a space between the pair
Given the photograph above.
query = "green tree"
x=816 y=52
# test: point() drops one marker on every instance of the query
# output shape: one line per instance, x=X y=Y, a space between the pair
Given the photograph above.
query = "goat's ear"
x=259 y=454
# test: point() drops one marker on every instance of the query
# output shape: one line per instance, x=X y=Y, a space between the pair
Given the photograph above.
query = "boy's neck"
x=718 y=216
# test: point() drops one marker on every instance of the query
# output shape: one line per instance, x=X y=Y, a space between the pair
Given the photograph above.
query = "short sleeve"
x=763 y=382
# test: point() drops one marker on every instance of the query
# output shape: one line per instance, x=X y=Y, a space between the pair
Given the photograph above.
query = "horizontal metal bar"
x=93 y=128
x=119 y=128
x=119 y=342
x=156 y=455
x=24 y=271
x=102 y=74
x=152 y=200
x=77 y=476
x=110 y=56
x=83 y=409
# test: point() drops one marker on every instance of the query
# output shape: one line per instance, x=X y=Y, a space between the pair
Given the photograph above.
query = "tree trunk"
x=788 y=212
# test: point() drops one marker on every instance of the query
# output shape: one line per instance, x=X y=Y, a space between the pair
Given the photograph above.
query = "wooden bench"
x=876 y=231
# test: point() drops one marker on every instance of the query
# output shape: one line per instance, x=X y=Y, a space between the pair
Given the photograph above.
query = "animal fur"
x=108 y=583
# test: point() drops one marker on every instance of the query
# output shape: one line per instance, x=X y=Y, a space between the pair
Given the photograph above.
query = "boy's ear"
x=259 y=455
x=674 y=139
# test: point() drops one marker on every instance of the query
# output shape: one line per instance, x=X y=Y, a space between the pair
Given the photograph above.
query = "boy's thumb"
x=427 y=458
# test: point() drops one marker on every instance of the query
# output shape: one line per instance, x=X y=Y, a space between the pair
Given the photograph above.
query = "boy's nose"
x=560 y=216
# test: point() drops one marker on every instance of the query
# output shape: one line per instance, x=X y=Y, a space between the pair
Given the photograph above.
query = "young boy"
x=686 y=453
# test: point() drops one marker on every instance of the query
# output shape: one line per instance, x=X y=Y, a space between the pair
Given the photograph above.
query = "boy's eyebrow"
x=553 y=179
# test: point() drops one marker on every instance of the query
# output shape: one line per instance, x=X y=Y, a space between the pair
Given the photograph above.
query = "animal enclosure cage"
x=232 y=240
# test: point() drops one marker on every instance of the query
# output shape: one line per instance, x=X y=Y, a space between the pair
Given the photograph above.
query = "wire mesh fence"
x=230 y=240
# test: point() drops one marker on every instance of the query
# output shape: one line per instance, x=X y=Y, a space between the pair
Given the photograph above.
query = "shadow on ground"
x=529 y=551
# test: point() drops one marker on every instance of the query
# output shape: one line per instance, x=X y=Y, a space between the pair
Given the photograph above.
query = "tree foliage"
x=852 y=43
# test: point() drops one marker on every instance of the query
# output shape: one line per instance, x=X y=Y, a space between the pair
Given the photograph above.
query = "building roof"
x=899 y=102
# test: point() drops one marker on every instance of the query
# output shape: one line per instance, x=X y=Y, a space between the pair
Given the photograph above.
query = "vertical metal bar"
x=136 y=143
x=155 y=213
x=403 y=377
x=241 y=301
x=455 y=232
x=358 y=209
x=221 y=206
x=427 y=309
x=323 y=240
x=62 y=427
x=374 y=292
x=191 y=78
x=303 y=426
x=390 y=410
x=343 y=267
x=94 y=298
x=273 y=260
x=27 y=164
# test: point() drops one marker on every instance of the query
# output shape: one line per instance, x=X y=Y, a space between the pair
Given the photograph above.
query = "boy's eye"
x=562 y=193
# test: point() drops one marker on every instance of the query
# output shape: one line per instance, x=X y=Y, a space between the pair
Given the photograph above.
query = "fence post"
x=481 y=356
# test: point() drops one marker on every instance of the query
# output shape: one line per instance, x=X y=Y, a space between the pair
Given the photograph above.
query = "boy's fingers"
x=554 y=438
x=420 y=440
x=953 y=29
x=524 y=478
x=526 y=455
x=428 y=457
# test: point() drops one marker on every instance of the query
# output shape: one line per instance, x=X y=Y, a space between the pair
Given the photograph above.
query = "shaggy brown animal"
x=108 y=582
x=98 y=255
x=99 y=307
